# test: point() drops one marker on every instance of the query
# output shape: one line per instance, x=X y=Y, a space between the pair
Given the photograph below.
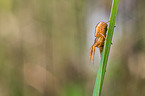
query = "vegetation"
x=106 y=49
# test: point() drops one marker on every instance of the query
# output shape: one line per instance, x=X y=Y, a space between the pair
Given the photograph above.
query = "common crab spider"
x=100 y=34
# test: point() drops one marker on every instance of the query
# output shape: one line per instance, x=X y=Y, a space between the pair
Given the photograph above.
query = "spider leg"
x=91 y=50
x=93 y=54
x=101 y=50
x=102 y=35
x=95 y=45
x=107 y=21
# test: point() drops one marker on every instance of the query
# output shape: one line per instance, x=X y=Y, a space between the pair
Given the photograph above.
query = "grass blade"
x=106 y=49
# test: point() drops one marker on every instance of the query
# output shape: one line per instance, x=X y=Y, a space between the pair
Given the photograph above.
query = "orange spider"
x=100 y=34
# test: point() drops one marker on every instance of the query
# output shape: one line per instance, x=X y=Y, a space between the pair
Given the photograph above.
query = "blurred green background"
x=44 y=48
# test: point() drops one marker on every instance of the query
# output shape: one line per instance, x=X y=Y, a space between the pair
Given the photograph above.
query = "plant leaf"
x=106 y=49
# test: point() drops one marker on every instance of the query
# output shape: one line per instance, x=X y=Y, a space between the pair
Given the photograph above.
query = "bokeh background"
x=44 y=48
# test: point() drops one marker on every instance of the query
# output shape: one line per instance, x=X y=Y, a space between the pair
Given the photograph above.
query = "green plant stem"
x=106 y=49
